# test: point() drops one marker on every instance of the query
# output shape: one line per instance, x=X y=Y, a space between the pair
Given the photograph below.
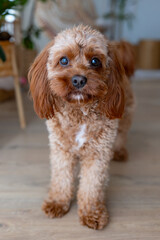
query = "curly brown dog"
x=79 y=83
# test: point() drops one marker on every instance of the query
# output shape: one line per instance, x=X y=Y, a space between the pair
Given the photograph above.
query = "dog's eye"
x=95 y=62
x=64 y=61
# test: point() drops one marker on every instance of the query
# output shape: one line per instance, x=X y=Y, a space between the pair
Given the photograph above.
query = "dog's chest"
x=81 y=135
x=74 y=131
x=77 y=130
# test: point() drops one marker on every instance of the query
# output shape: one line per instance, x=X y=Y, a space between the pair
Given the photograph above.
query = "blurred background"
x=32 y=24
x=26 y=26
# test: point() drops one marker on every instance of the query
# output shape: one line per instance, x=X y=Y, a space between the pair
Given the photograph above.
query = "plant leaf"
x=27 y=42
x=2 y=54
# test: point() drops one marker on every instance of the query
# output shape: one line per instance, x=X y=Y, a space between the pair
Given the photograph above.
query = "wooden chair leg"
x=19 y=102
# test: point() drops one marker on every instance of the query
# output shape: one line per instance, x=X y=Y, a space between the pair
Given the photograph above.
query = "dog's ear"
x=39 y=85
x=114 y=102
x=127 y=56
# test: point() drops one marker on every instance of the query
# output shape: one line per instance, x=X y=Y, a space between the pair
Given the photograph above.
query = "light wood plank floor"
x=133 y=196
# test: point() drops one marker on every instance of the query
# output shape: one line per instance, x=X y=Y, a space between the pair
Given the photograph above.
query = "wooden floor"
x=133 y=192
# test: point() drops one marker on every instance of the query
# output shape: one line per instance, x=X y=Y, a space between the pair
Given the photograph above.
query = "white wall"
x=102 y=6
x=146 y=23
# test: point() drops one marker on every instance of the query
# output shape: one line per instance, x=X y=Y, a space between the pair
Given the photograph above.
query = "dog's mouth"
x=78 y=97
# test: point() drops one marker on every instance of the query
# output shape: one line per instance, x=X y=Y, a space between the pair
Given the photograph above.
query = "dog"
x=80 y=84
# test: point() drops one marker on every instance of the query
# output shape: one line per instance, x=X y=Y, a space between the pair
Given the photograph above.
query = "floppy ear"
x=127 y=56
x=115 y=94
x=39 y=85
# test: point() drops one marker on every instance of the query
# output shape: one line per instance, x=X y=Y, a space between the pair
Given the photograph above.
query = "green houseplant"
x=32 y=31
x=2 y=54
x=118 y=15
x=5 y=7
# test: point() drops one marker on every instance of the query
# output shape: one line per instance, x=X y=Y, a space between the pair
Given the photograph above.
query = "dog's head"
x=78 y=66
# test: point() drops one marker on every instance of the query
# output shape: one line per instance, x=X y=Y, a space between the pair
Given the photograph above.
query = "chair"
x=9 y=68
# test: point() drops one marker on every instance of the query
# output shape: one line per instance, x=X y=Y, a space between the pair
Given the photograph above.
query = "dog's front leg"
x=91 y=194
x=61 y=187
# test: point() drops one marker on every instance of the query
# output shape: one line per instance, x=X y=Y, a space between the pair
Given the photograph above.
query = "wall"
x=145 y=25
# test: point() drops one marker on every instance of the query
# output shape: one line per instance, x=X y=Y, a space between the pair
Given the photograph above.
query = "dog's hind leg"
x=120 y=151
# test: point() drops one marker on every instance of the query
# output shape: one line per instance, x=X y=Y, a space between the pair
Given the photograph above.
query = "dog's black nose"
x=79 y=81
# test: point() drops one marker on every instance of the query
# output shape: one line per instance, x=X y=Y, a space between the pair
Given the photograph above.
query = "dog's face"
x=76 y=65
x=79 y=66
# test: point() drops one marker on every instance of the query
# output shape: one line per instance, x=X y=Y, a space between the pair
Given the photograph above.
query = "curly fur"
x=82 y=124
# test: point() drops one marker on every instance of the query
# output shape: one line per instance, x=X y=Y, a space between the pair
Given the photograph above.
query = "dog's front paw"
x=120 y=155
x=53 y=209
x=96 y=219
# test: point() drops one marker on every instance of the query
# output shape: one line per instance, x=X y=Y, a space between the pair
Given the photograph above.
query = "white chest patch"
x=84 y=112
x=80 y=137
